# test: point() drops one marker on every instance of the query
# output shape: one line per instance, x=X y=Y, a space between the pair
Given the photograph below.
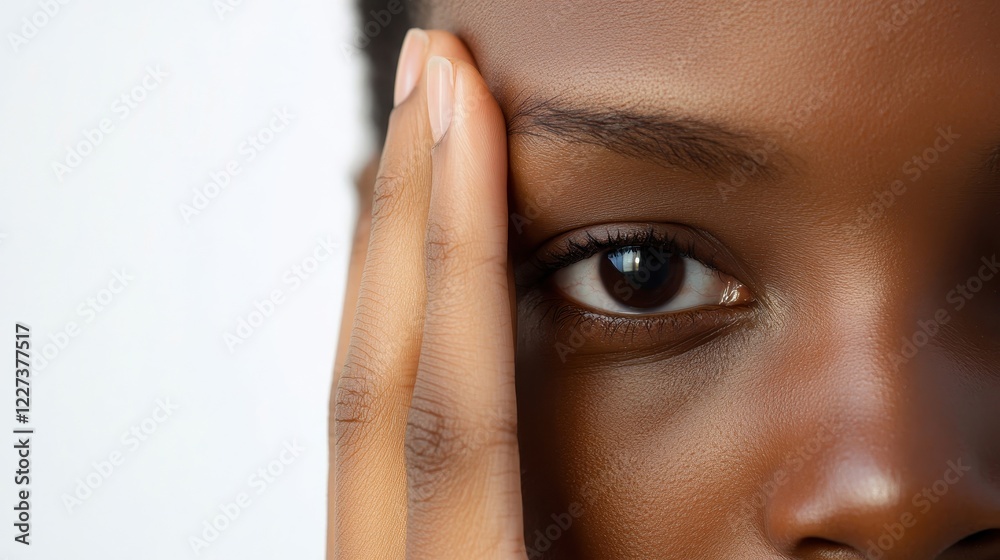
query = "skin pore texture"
x=839 y=161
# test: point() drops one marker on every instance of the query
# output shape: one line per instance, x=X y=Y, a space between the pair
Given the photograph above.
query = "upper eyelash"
x=569 y=315
x=575 y=252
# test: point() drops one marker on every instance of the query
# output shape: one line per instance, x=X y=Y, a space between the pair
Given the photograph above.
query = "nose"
x=909 y=470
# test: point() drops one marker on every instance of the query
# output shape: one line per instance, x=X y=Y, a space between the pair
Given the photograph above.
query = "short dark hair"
x=382 y=54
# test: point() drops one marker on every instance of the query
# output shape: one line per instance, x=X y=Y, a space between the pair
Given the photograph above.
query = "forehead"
x=845 y=60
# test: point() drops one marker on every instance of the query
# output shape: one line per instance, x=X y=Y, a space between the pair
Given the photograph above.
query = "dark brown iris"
x=641 y=277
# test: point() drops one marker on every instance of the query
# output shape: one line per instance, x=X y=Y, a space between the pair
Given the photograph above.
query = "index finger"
x=461 y=441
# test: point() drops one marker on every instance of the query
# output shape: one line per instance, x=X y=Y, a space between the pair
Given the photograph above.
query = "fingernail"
x=440 y=95
x=411 y=63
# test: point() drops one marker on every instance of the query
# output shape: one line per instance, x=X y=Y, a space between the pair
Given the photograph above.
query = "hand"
x=424 y=422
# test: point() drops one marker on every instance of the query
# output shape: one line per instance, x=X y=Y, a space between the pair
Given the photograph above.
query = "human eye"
x=622 y=276
x=651 y=278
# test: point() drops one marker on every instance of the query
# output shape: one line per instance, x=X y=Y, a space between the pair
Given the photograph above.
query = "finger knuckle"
x=387 y=196
x=443 y=245
x=454 y=251
x=440 y=445
x=435 y=442
x=436 y=449
x=358 y=402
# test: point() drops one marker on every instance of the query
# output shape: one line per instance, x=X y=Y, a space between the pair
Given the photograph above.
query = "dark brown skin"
x=796 y=423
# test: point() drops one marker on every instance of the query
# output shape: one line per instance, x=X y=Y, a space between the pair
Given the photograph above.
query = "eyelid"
x=572 y=247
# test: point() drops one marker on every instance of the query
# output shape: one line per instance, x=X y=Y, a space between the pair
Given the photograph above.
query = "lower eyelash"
x=569 y=315
x=569 y=318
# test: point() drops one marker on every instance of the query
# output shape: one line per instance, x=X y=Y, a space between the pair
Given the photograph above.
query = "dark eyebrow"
x=683 y=142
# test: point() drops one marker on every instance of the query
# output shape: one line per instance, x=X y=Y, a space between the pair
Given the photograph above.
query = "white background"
x=161 y=338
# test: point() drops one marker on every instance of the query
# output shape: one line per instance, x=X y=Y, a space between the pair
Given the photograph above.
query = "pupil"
x=642 y=277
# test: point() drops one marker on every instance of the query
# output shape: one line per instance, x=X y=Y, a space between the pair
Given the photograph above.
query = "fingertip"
x=440 y=95
x=411 y=63
x=476 y=109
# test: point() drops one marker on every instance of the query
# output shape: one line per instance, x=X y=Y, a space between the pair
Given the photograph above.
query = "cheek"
x=624 y=459
x=617 y=451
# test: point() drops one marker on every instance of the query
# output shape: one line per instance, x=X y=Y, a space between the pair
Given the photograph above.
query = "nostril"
x=982 y=545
